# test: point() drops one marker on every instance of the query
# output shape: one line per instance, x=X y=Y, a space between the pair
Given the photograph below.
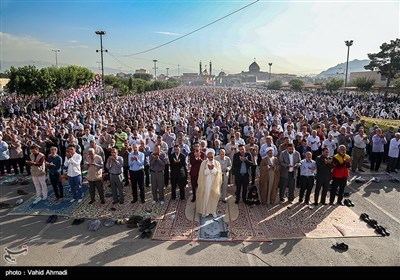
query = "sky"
x=298 y=37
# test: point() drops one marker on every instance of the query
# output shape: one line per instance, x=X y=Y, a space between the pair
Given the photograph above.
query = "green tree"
x=334 y=84
x=130 y=83
x=23 y=79
x=296 y=84
x=143 y=76
x=275 y=85
x=363 y=83
x=387 y=60
x=45 y=83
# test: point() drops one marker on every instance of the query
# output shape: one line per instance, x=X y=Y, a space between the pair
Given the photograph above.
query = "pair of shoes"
x=121 y=221
x=134 y=201
x=94 y=225
x=91 y=202
x=341 y=246
x=291 y=204
x=78 y=221
x=340 y=203
x=52 y=219
x=300 y=200
x=193 y=199
x=382 y=231
x=21 y=192
x=109 y=222
x=310 y=206
x=348 y=203
x=237 y=201
x=146 y=234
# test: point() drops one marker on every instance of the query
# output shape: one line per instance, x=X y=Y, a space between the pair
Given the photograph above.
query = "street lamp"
x=269 y=78
x=101 y=33
x=155 y=69
x=56 y=51
x=348 y=44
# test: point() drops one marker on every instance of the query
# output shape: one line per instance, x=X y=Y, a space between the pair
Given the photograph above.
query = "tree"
x=387 y=60
x=296 y=84
x=363 y=83
x=275 y=85
x=130 y=83
x=143 y=76
x=45 y=83
x=334 y=84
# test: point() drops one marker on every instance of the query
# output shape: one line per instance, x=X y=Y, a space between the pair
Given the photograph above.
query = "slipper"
x=53 y=219
x=21 y=192
x=76 y=222
x=4 y=205
x=19 y=202
x=382 y=230
x=341 y=246
x=373 y=223
x=364 y=217
x=109 y=222
x=376 y=179
x=113 y=209
x=348 y=203
x=49 y=219
x=94 y=225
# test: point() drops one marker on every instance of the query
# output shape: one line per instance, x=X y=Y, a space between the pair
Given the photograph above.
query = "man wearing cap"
x=209 y=183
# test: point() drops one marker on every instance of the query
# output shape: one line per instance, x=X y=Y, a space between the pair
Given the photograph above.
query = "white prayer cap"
x=209 y=150
x=269 y=149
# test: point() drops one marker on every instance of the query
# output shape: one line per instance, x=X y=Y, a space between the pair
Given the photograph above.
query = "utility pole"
x=155 y=69
x=348 y=44
x=101 y=33
x=56 y=51
x=167 y=71
x=269 y=78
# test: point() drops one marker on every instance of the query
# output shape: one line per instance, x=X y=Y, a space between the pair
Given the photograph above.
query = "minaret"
x=210 y=73
x=200 y=69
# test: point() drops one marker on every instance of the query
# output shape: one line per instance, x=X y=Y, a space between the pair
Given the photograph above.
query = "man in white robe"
x=209 y=182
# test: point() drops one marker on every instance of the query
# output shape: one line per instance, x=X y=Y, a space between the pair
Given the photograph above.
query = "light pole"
x=101 y=33
x=56 y=51
x=348 y=44
x=155 y=69
x=269 y=78
x=167 y=71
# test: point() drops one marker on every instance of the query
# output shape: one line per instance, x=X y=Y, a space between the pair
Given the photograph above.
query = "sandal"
x=341 y=246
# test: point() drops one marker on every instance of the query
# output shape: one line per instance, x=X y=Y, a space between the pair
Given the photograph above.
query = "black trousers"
x=5 y=164
x=93 y=185
x=253 y=173
x=55 y=180
x=126 y=174
x=147 y=175
x=337 y=182
x=376 y=160
x=242 y=182
x=178 y=180
x=137 y=180
x=322 y=182
x=306 y=185
x=166 y=175
x=15 y=163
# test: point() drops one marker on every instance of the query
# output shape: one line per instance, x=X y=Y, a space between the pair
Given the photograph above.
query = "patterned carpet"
x=263 y=223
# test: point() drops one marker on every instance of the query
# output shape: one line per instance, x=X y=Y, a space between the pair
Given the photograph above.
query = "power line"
x=198 y=29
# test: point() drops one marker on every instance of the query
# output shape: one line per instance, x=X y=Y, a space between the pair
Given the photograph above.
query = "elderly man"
x=269 y=177
x=393 y=153
x=226 y=165
x=94 y=163
x=209 y=184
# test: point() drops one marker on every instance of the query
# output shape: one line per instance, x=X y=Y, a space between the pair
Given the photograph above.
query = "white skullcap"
x=269 y=149
x=209 y=150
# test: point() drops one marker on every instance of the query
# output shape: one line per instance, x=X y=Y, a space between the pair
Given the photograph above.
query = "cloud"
x=14 y=42
x=167 y=33
x=78 y=47
x=73 y=41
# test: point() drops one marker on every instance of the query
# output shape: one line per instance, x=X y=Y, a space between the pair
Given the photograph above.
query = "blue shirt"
x=304 y=168
x=57 y=161
x=138 y=164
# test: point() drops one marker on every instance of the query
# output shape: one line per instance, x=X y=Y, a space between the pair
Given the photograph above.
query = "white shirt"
x=291 y=160
x=74 y=165
x=394 y=148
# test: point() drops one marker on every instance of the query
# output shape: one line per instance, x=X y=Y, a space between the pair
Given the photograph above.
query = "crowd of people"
x=202 y=137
